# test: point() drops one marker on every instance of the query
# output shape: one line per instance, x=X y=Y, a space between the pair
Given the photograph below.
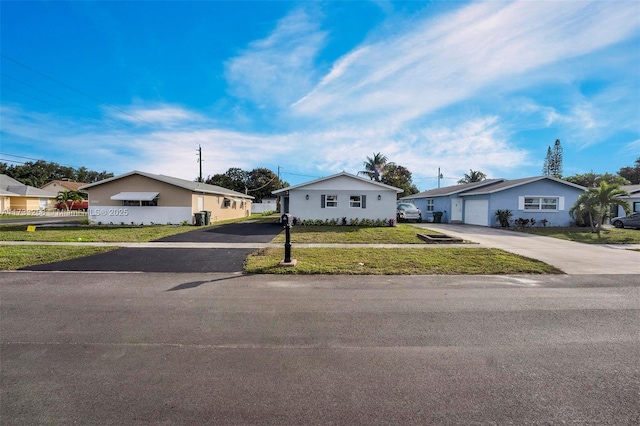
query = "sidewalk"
x=568 y=256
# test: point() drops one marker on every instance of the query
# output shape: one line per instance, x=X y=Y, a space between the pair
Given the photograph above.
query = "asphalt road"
x=131 y=348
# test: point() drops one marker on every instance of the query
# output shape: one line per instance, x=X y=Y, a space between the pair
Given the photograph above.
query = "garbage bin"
x=199 y=218
x=437 y=217
x=206 y=217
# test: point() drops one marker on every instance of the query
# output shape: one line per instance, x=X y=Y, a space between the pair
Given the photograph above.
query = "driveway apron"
x=568 y=256
x=187 y=258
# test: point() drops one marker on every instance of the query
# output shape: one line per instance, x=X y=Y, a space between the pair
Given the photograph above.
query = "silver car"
x=407 y=211
x=632 y=221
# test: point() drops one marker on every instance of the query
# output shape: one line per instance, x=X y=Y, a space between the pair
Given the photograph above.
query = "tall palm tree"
x=473 y=176
x=596 y=203
x=374 y=167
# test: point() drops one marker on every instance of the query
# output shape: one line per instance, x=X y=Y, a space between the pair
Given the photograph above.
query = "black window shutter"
x=322 y=201
x=364 y=201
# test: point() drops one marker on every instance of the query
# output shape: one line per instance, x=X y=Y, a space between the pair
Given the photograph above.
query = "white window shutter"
x=521 y=203
x=560 y=203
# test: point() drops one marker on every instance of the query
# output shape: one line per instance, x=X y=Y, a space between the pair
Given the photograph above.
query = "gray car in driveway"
x=632 y=221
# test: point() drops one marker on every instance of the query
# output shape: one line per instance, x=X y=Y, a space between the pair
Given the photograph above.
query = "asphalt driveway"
x=184 y=259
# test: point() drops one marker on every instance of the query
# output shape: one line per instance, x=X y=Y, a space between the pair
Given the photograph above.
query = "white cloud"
x=444 y=60
x=279 y=68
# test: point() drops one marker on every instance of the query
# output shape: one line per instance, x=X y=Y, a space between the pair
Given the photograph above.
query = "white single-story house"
x=145 y=198
x=633 y=199
x=342 y=195
x=541 y=197
x=15 y=195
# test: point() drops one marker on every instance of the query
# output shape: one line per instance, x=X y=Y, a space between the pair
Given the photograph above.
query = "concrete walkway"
x=568 y=256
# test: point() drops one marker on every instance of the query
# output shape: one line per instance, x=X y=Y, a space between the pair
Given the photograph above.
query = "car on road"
x=632 y=221
x=407 y=211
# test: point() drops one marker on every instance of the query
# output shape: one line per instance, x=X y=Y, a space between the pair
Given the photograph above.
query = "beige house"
x=15 y=195
x=56 y=186
x=145 y=198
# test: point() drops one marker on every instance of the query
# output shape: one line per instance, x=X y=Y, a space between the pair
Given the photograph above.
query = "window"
x=540 y=203
x=226 y=203
x=636 y=206
x=137 y=203
x=330 y=200
x=355 y=201
x=430 y=204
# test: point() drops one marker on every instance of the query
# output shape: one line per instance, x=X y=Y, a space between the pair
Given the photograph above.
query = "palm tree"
x=596 y=202
x=374 y=167
x=473 y=176
x=67 y=195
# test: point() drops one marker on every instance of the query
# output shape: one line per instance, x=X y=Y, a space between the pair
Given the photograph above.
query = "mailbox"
x=287 y=219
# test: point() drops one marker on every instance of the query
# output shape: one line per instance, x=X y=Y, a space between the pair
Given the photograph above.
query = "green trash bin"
x=199 y=218
x=206 y=217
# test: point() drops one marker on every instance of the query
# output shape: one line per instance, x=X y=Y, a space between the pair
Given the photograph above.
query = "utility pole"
x=200 y=161
x=439 y=177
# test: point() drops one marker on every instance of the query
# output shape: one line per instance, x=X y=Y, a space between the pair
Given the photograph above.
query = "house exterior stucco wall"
x=510 y=199
x=176 y=205
x=304 y=209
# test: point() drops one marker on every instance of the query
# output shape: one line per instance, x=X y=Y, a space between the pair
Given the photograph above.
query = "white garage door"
x=476 y=212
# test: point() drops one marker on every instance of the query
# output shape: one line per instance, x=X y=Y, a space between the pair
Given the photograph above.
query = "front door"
x=456 y=210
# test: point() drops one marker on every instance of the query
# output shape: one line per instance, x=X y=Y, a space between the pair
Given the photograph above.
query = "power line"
x=74 y=89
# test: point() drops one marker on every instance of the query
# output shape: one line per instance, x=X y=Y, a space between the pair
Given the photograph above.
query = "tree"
x=262 y=182
x=258 y=183
x=374 y=167
x=39 y=173
x=596 y=203
x=68 y=195
x=234 y=179
x=473 y=176
x=632 y=174
x=592 y=180
x=400 y=177
x=553 y=161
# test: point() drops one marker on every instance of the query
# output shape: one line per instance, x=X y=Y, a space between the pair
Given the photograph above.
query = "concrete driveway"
x=570 y=257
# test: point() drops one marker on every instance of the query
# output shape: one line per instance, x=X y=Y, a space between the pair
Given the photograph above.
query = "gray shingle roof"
x=181 y=183
x=13 y=188
x=455 y=189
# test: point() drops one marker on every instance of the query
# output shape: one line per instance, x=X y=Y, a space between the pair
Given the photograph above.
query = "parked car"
x=632 y=221
x=407 y=211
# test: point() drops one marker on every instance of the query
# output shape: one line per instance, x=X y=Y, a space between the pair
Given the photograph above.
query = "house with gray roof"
x=15 y=195
x=633 y=198
x=538 y=198
x=145 y=198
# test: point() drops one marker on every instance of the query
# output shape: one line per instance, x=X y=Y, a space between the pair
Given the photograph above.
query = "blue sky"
x=316 y=87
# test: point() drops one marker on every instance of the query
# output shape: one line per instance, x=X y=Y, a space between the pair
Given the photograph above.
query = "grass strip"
x=15 y=257
x=319 y=234
x=409 y=261
x=584 y=234
x=106 y=233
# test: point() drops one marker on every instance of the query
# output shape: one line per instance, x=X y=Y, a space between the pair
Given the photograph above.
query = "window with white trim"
x=636 y=206
x=541 y=203
x=355 y=201
x=331 y=201
x=429 y=204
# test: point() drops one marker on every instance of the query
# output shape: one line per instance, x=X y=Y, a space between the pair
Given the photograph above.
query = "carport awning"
x=135 y=196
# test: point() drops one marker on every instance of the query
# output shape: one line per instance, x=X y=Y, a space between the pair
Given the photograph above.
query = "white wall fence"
x=140 y=215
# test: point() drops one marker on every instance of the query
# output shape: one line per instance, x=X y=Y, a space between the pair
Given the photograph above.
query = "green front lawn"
x=406 y=261
x=325 y=234
x=106 y=233
x=15 y=257
x=584 y=235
